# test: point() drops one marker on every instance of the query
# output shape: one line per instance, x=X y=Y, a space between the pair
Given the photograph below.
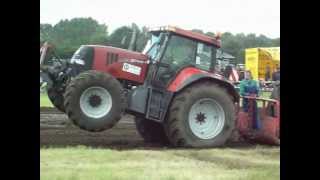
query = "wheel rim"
x=95 y=102
x=206 y=118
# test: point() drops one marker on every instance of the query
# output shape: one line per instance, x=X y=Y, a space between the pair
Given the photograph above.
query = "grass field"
x=83 y=163
x=45 y=101
x=256 y=163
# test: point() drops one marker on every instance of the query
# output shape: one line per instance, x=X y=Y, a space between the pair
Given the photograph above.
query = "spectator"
x=241 y=74
x=234 y=76
x=276 y=75
x=222 y=70
x=250 y=87
x=268 y=73
x=227 y=71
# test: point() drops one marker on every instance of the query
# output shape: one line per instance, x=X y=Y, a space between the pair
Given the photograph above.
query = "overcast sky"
x=235 y=16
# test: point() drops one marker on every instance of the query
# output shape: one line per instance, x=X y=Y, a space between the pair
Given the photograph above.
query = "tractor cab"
x=173 y=49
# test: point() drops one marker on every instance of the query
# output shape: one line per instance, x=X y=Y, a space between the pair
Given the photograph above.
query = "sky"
x=235 y=16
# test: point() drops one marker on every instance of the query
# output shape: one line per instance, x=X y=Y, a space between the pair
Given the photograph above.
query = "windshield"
x=80 y=53
x=83 y=56
x=152 y=47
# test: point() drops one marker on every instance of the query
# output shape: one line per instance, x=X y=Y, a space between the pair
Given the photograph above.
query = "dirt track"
x=57 y=131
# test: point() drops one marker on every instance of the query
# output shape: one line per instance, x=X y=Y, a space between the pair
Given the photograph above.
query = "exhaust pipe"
x=43 y=52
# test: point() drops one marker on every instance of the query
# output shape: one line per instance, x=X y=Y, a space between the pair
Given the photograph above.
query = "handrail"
x=276 y=102
x=258 y=98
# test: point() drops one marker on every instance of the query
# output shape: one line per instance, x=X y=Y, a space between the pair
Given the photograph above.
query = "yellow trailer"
x=258 y=59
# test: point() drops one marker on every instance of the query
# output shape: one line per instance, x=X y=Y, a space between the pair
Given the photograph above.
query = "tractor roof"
x=189 y=34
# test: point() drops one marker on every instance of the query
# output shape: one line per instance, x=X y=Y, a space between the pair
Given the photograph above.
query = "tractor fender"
x=185 y=79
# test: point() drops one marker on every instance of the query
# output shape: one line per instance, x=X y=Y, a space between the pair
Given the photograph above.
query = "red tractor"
x=171 y=89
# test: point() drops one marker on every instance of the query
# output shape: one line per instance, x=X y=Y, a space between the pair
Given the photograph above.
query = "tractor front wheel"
x=202 y=115
x=94 y=101
x=56 y=98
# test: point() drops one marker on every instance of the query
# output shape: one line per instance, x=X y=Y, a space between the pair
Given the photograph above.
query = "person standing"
x=268 y=73
x=276 y=75
x=250 y=87
x=227 y=71
x=234 y=76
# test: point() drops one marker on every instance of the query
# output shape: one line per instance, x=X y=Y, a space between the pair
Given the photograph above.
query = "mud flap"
x=150 y=102
x=158 y=104
x=137 y=100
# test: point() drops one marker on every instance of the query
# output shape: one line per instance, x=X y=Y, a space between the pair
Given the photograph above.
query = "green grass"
x=257 y=163
x=82 y=163
x=266 y=94
x=45 y=101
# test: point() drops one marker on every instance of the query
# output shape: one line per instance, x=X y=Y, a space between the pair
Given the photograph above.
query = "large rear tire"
x=202 y=115
x=94 y=101
x=56 y=98
x=150 y=131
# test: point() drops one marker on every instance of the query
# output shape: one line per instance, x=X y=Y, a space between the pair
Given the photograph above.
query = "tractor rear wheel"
x=56 y=98
x=202 y=115
x=150 y=131
x=94 y=101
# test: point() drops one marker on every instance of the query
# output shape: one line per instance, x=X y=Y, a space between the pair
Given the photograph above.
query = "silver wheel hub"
x=206 y=118
x=95 y=102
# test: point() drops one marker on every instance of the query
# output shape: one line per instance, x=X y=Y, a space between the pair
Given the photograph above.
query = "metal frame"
x=270 y=130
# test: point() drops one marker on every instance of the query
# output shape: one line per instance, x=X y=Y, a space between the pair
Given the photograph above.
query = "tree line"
x=68 y=35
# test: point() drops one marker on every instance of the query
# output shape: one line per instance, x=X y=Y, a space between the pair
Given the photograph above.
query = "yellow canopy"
x=274 y=52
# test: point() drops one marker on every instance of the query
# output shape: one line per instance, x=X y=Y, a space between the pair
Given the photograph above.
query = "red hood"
x=112 y=60
x=123 y=53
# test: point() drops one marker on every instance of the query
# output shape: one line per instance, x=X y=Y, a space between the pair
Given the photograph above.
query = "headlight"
x=77 y=61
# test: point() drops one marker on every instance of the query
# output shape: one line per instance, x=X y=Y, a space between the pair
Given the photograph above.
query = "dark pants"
x=252 y=105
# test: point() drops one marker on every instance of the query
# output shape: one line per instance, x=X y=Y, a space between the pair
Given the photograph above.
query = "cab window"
x=204 y=56
x=180 y=52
